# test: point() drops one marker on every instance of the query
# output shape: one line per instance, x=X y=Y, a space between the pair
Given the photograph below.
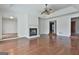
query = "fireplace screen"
x=33 y=31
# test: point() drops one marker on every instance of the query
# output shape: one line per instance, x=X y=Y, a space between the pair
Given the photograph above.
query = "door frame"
x=74 y=27
x=55 y=24
x=72 y=20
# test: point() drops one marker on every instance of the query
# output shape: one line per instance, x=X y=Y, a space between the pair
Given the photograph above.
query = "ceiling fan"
x=47 y=10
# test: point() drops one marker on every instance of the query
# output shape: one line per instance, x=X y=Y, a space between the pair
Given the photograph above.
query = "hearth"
x=33 y=31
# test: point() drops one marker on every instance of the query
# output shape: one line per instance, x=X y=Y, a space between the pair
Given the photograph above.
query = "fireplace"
x=33 y=31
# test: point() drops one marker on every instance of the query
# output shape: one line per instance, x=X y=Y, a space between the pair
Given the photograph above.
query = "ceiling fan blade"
x=42 y=12
x=50 y=9
x=48 y=12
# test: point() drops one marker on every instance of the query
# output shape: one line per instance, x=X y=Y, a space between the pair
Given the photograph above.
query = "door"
x=73 y=24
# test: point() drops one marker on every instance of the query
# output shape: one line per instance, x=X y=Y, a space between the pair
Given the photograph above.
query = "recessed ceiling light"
x=11 y=17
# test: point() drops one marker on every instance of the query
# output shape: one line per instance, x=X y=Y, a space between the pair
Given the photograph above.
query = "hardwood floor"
x=45 y=45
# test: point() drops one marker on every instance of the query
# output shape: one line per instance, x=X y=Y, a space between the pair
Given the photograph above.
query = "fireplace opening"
x=33 y=31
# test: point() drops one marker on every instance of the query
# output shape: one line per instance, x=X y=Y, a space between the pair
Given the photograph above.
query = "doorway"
x=73 y=27
x=52 y=26
x=9 y=28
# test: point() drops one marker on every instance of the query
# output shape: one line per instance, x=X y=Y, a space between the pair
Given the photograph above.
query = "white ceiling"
x=59 y=6
x=33 y=8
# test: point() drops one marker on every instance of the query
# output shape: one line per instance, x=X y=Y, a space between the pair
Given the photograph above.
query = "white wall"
x=32 y=20
x=25 y=20
x=63 y=25
x=44 y=26
x=22 y=25
x=33 y=23
x=9 y=25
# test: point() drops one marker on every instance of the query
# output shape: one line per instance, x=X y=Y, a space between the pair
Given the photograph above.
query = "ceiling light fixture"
x=47 y=10
x=11 y=17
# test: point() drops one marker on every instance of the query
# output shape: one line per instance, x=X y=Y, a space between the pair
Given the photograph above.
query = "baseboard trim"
x=14 y=38
x=9 y=33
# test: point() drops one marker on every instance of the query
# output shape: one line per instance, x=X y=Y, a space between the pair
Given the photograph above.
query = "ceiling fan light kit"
x=47 y=11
